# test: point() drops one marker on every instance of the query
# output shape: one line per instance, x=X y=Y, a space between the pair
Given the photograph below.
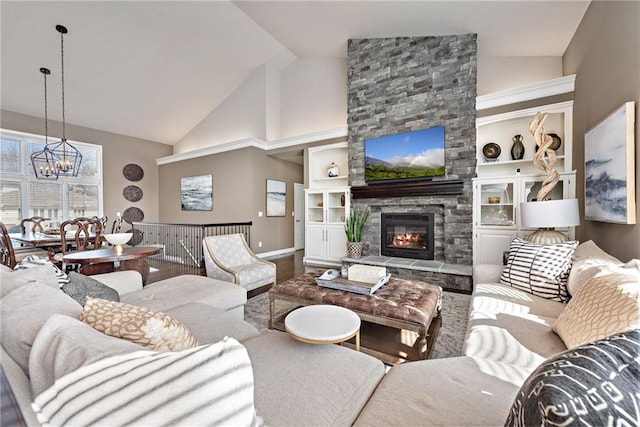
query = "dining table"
x=38 y=239
x=107 y=260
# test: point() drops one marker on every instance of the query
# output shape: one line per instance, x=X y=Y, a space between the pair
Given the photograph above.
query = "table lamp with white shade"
x=547 y=216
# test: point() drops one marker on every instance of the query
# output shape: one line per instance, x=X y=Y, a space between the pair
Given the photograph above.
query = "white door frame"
x=298 y=216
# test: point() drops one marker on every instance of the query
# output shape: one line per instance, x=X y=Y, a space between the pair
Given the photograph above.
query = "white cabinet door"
x=326 y=211
x=336 y=243
x=490 y=246
x=315 y=244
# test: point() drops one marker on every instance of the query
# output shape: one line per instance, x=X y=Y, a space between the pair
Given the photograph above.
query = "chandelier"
x=61 y=158
x=44 y=161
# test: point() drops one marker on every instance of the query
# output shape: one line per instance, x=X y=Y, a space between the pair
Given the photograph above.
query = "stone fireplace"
x=408 y=83
x=407 y=235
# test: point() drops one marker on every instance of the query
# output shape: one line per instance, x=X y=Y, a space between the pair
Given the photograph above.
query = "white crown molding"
x=215 y=149
x=308 y=138
x=526 y=93
x=564 y=107
x=256 y=143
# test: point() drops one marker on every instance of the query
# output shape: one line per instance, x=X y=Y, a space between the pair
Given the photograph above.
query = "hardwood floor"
x=287 y=267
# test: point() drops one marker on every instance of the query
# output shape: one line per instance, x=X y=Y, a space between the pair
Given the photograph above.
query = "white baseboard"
x=275 y=253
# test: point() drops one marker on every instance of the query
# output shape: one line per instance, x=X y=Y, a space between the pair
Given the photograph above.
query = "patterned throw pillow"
x=592 y=385
x=539 y=269
x=605 y=305
x=36 y=261
x=212 y=385
x=140 y=325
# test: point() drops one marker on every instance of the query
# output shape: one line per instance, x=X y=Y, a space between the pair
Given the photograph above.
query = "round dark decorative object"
x=132 y=193
x=133 y=172
x=557 y=142
x=491 y=150
x=136 y=239
x=132 y=215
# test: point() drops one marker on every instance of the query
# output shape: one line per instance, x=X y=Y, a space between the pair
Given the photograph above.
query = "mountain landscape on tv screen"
x=409 y=155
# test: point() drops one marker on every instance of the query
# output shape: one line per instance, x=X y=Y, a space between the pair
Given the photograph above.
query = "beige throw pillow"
x=140 y=325
x=605 y=305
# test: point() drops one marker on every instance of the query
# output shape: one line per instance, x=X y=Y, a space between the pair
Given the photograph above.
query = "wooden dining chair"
x=34 y=223
x=7 y=254
x=86 y=234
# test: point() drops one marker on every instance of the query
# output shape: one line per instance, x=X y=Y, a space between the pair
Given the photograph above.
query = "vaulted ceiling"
x=154 y=70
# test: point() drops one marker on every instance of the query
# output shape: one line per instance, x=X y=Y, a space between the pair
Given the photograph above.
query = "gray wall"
x=605 y=56
x=409 y=83
x=239 y=192
x=117 y=151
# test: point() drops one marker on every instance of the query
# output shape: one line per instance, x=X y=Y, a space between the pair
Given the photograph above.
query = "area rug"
x=455 y=308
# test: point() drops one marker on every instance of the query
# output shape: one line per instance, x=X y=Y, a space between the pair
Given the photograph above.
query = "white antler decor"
x=545 y=157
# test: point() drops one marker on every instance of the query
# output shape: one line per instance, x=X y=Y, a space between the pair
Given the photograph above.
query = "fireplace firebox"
x=407 y=235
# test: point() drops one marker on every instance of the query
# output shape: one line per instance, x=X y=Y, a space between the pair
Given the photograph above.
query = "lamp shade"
x=550 y=213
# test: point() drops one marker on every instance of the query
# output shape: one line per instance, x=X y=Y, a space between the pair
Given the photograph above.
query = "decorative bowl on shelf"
x=494 y=200
x=118 y=238
x=491 y=151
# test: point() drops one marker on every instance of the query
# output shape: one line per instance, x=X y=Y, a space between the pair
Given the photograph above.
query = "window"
x=22 y=195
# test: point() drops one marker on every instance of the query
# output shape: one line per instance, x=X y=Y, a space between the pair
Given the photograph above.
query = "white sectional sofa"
x=510 y=334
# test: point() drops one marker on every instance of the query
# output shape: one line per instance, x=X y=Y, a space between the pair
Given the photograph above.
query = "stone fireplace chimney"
x=408 y=83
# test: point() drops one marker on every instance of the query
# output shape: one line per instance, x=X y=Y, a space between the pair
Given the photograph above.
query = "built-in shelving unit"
x=501 y=128
x=327 y=202
x=502 y=184
x=319 y=160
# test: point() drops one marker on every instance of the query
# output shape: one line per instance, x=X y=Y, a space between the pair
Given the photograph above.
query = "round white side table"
x=323 y=324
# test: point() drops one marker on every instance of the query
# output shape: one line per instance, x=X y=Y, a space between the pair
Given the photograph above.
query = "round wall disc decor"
x=133 y=214
x=133 y=172
x=132 y=193
x=137 y=237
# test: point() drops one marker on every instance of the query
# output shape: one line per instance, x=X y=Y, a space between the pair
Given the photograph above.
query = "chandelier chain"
x=62 y=80
x=46 y=121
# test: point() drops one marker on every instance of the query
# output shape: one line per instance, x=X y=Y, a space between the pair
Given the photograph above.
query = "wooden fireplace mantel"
x=449 y=187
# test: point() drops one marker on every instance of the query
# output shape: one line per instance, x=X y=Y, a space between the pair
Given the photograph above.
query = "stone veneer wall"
x=408 y=83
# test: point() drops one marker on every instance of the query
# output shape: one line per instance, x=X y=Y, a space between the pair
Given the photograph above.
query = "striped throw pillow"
x=140 y=325
x=212 y=385
x=36 y=261
x=540 y=269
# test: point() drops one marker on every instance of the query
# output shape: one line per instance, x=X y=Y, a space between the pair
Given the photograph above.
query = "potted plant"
x=353 y=228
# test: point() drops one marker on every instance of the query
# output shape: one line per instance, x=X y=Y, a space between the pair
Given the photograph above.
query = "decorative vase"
x=333 y=170
x=342 y=200
x=517 y=149
x=354 y=249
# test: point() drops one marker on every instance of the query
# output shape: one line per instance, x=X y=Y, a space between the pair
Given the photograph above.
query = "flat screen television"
x=416 y=155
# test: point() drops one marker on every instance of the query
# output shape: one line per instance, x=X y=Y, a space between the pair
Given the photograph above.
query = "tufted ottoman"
x=403 y=307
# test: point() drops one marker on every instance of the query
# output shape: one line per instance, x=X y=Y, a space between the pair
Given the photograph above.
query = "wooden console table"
x=105 y=260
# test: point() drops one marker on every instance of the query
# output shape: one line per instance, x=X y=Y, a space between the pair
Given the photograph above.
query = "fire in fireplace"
x=407 y=235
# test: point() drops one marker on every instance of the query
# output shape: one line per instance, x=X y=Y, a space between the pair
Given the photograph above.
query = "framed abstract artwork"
x=610 y=168
x=276 y=197
x=196 y=193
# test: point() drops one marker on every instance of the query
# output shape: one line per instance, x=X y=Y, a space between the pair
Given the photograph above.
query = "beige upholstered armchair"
x=229 y=258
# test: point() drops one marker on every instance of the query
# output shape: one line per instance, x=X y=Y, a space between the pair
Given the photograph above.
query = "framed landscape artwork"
x=610 y=168
x=196 y=193
x=276 y=197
